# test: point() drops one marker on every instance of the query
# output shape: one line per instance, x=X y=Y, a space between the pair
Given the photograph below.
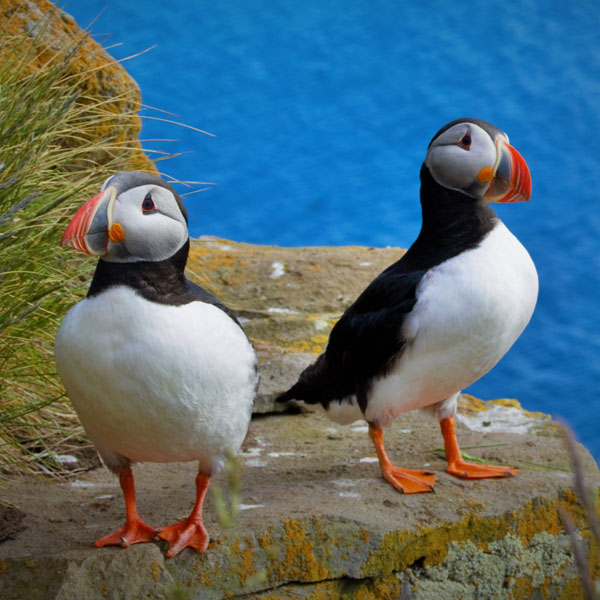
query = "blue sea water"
x=322 y=113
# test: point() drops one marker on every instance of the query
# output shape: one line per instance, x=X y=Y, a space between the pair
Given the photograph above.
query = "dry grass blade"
x=585 y=498
x=579 y=555
x=579 y=480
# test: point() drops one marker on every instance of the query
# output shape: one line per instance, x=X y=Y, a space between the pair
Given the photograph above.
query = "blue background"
x=322 y=113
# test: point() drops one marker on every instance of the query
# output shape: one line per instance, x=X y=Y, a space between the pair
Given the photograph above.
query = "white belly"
x=158 y=383
x=469 y=311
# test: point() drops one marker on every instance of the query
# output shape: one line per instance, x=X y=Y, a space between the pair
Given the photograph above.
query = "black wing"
x=363 y=343
x=195 y=292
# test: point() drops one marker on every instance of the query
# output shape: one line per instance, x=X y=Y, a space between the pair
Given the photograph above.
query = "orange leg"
x=189 y=532
x=457 y=466
x=135 y=530
x=406 y=481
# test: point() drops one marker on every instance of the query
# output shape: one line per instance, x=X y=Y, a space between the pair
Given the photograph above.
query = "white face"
x=152 y=223
x=460 y=157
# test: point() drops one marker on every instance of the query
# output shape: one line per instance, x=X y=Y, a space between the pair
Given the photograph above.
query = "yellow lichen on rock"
x=298 y=561
x=400 y=549
x=243 y=560
x=102 y=80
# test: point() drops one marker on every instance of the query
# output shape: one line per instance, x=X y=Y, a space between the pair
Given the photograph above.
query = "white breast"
x=469 y=312
x=157 y=383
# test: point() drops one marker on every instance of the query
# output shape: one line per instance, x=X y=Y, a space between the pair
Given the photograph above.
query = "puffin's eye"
x=465 y=142
x=148 y=205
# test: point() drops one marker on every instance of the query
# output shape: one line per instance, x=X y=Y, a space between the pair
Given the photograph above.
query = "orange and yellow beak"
x=91 y=227
x=510 y=180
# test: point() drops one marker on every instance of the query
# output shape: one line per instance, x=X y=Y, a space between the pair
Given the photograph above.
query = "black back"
x=367 y=339
x=162 y=281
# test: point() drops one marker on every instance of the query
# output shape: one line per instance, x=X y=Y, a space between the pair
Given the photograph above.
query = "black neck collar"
x=452 y=223
x=161 y=281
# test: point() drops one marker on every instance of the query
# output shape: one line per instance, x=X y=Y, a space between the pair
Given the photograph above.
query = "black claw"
x=428 y=473
x=155 y=538
x=432 y=488
x=159 y=530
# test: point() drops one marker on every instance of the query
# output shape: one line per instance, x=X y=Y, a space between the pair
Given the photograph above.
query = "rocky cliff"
x=315 y=520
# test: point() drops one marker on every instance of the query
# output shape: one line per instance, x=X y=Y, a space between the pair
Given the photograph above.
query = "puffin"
x=157 y=369
x=442 y=316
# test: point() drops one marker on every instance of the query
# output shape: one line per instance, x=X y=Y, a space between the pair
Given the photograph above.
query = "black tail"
x=291 y=394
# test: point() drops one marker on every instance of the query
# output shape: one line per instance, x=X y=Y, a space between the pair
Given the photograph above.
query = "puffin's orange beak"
x=510 y=181
x=88 y=229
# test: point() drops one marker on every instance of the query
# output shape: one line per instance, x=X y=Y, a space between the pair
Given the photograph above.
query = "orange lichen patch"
x=365 y=535
x=508 y=402
x=469 y=404
x=243 y=560
x=389 y=588
x=204 y=579
x=523 y=587
x=572 y=589
x=319 y=339
x=156 y=569
x=223 y=260
x=325 y=591
x=594 y=549
x=513 y=403
x=474 y=505
x=266 y=539
x=298 y=561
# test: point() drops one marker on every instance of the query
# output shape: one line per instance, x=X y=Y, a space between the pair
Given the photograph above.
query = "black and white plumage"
x=443 y=315
x=156 y=367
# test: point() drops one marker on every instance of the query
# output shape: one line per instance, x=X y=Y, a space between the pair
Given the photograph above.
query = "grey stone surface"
x=316 y=521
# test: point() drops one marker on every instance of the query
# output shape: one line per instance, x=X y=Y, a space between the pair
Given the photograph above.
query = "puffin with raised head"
x=442 y=316
x=157 y=368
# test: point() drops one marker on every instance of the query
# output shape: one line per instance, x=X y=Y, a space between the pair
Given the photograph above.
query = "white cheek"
x=450 y=166
x=156 y=237
x=147 y=236
x=455 y=168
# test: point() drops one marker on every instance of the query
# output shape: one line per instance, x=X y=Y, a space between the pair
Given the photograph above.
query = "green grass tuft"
x=49 y=164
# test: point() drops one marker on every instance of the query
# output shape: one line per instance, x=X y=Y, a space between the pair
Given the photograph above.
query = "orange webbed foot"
x=134 y=531
x=457 y=466
x=189 y=533
x=466 y=470
x=407 y=481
